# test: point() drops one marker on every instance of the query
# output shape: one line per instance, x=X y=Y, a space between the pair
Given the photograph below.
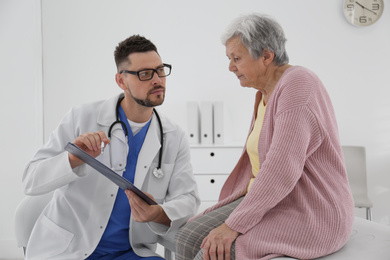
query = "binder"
x=218 y=122
x=193 y=122
x=206 y=122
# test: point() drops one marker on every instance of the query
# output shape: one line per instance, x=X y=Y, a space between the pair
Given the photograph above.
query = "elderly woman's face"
x=247 y=70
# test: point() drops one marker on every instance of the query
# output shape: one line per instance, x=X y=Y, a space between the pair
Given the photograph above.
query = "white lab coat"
x=71 y=225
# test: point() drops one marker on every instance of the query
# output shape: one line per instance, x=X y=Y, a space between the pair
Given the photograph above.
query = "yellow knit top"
x=252 y=144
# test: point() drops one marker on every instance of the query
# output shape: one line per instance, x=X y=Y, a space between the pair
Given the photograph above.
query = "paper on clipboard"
x=110 y=174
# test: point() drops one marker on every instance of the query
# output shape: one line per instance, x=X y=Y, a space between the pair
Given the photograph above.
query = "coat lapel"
x=107 y=116
x=148 y=152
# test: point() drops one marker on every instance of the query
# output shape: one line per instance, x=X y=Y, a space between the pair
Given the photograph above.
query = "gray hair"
x=258 y=33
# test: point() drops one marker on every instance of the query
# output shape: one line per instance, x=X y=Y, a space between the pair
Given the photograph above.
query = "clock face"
x=363 y=12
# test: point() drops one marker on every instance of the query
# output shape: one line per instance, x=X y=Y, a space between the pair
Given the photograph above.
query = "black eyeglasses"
x=147 y=74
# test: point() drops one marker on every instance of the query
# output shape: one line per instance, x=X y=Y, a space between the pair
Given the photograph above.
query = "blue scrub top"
x=115 y=238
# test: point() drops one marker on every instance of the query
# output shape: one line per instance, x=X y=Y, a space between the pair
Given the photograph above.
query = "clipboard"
x=107 y=172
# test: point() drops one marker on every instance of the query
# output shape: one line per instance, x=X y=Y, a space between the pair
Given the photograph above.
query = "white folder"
x=193 y=122
x=206 y=122
x=218 y=122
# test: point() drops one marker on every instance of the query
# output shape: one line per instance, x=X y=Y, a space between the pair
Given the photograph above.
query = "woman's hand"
x=217 y=245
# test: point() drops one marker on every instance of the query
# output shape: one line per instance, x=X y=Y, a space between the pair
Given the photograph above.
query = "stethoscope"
x=157 y=172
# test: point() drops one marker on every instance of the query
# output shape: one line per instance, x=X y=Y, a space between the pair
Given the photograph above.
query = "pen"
x=102 y=148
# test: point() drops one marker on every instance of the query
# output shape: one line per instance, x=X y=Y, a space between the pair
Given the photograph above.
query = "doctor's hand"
x=89 y=143
x=218 y=243
x=143 y=212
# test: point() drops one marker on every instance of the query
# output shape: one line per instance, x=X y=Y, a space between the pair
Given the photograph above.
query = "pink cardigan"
x=300 y=204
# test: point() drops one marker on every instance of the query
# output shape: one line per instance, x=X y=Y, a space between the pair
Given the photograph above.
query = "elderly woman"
x=289 y=193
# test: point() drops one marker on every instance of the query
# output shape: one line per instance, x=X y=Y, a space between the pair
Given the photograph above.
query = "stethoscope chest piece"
x=158 y=173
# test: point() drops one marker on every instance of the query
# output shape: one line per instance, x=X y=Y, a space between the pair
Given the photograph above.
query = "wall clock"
x=363 y=12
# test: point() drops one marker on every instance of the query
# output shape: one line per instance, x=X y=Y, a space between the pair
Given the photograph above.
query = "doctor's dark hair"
x=257 y=33
x=135 y=43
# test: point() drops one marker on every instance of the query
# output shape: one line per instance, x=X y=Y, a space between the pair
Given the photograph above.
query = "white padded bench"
x=368 y=240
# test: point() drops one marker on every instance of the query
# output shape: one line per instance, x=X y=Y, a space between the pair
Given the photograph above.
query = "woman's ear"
x=268 y=57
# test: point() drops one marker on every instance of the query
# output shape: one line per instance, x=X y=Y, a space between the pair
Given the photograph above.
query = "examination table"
x=368 y=240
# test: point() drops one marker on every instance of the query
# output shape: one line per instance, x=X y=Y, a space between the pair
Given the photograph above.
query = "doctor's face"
x=148 y=93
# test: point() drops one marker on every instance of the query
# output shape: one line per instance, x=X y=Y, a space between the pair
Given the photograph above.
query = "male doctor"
x=89 y=217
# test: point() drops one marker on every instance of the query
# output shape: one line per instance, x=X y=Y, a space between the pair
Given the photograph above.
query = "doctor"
x=89 y=217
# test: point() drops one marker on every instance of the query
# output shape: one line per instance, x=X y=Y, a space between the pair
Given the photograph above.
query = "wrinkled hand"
x=89 y=143
x=143 y=212
x=218 y=243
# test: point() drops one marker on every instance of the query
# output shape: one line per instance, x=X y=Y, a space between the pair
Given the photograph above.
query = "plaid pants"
x=190 y=236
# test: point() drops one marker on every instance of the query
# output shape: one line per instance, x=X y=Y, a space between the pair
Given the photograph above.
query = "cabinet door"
x=214 y=160
x=210 y=186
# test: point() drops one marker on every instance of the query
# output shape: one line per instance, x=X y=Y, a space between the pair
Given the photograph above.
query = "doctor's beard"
x=147 y=102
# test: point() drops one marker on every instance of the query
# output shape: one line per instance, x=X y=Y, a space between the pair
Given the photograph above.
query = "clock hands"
x=362 y=12
x=362 y=6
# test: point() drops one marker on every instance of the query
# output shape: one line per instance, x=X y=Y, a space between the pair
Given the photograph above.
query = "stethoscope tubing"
x=158 y=171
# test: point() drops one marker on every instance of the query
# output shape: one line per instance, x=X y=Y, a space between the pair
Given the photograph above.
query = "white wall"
x=79 y=38
x=21 y=106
